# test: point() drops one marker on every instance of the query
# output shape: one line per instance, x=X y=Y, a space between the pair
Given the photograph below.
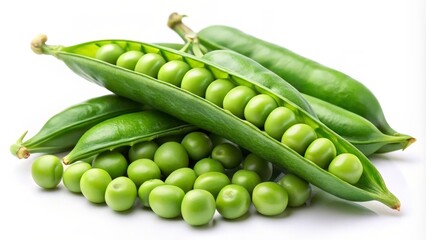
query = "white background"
x=380 y=43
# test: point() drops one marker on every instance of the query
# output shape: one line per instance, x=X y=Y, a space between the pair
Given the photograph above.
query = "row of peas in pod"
x=190 y=176
x=261 y=110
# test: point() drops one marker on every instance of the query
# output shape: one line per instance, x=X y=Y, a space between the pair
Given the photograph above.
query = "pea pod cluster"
x=308 y=76
x=172 y=94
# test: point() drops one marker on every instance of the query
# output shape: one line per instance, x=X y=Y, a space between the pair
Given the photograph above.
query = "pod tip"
x=66 y=160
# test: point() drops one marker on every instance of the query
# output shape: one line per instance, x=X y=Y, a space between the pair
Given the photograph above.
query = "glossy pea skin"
x=247 y=179
x=208 y=165
x=171 y=156
x=146 y=188
x=143 y=170
x=298 y=189
x=129 y=59
x=72 y=175
x=197 y=80
x=269 y=198
x=183 y=178
x=111 y=161
x=259 y=108
x=47 y=171
x=166 y=200
x=258 y=165
x=173 y=72
x=228 y=154
x=198 y=145
x=109 y=53
x=347 y=167
x=298 y=137
x=236 y=100
x=93 y=184
x=150 y=64
x=321 y=151
x=217 y=91
x=120 y=194
x=278 y=121
x=198 y=207
x=233 y=201
x=212 y=182
x=142 y=150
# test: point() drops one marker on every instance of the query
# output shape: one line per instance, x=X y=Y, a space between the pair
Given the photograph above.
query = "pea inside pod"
x=204 y=114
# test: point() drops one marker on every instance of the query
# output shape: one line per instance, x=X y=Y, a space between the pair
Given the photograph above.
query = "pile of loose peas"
x=190 y=176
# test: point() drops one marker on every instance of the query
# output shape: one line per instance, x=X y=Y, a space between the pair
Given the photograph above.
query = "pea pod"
x=126 y=130
x=357 y=130
x=308 y=76
x=61 y=131
x=202 y=113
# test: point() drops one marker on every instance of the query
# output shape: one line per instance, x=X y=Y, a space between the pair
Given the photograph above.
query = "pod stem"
x=38 y=45
x=18 y=150
x=186 y=33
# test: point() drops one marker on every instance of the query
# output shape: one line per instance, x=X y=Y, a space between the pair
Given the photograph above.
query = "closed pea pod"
x=206 y=115
x=62 y=131
x=125 y=130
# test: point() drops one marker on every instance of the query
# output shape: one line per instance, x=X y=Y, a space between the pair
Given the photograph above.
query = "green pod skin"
x=356 y=129
x=126 y=130
x=62 y=131
x=208 y=116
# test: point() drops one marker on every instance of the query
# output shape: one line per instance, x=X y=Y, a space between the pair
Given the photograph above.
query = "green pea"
x=198 y=145
x=173 y=72
x=166 y=200
x=109 y=53
x=321 y=151
x=269 y=198
x=298 y=137
x=347 y=167
x=183 y=178
x=208 y=165
x=171 y=156
x=146 y=188
x=212 y=182
x=111 y=161
x=246 y=178
x=72 y=175
x=93 y=184
x=217 y=91
x=198 y=207
x=278 y=121
x=150 y=64
x=236 y=100
x=47 y=171
x=143 y=150
x=298 y=189
x=143 y=170
x=197 y=80
x=228 y=154
x=258 y=165
x=233 y=201
x=120 y=194
x=259 y=108
x=129 y=59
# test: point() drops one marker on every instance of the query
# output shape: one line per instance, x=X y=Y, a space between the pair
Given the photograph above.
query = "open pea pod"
x=202 y=113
